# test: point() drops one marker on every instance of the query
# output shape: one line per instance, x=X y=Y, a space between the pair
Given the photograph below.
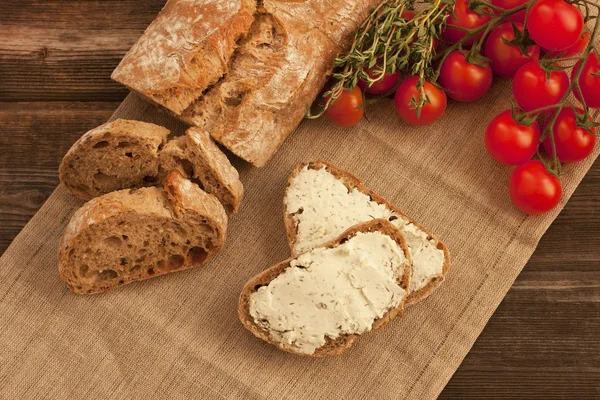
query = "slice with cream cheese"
x=322 y=207
x=330 y=292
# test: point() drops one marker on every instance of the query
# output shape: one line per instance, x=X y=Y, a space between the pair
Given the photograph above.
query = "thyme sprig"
x=390 y=42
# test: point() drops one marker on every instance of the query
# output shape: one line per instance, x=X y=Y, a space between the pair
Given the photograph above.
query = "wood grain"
x=55 y=63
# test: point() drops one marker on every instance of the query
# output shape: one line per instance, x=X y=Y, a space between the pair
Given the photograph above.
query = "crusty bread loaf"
x=278 y=69
x=185 y=50
x=117 y=155
x=337 y=345
x=196 y=156
x=284 y=58
x=137 y=234
x=431 y=259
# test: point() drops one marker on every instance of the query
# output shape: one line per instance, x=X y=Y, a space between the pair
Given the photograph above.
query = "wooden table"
x=55 y=63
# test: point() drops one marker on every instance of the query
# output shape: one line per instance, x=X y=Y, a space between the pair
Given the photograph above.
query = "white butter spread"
x=324 y=208
x=326 y=293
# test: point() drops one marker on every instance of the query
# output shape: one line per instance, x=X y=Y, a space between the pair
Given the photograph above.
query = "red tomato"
x=430 y=112
x=509 y=142
x=573 y=143
x=465 y=19
x=384 y=85
x=588 y=82
x=507 y=59
x=408 y=14
x=346 y=110
x=509 y=5
x=533 y=189
x=554 y=24
x=532 y=89
x=465 y=81
x=577 y=48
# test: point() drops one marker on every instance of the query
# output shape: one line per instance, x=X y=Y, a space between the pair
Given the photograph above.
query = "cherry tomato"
x=554 y=24
x=465 y=81
x=533 y=189
x=533 y=89
x=588 y=81
x=430 y=112
x=507 y=59
x=408 y=14
x=509 y=142
x=577 y=48
x=346 y=110
x=384 y=85
x=465 y=19
x=573 y=143
x=509 y=5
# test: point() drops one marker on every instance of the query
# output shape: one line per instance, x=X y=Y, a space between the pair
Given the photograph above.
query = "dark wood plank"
x=34 y=138
x=66 y=50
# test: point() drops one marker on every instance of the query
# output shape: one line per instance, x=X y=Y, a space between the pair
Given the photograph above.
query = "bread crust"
x=80 y=165
x=185 y=50
x=209 y=165
x=352 y=182
x=273 y=76
x=176 y=201
x=333 y=347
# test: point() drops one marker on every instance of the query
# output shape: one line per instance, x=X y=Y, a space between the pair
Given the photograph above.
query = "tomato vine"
x=389 y=41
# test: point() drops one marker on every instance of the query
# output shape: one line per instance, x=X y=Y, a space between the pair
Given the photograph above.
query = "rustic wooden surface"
x=55 y=62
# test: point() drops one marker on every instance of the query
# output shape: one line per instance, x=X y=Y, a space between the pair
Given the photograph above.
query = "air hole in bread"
x=146 y=243
x=101 y=144
x=125 y=237
x=257 y=287
x=160 y=264
x=186 y=166
x=392 y=218
x=150 y=179
x=83 y=270
x=197 y=255
x=344 y=240
x=121 y=282
x=112 y=241
x=176 y=261
x=129 y=154
x=103 y=179
x=150 y=271
x=107 y=274
x=124 y=261
x=123 y=144
x=160 y=147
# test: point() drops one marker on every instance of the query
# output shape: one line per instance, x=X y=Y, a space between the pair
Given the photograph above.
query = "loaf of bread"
x=196 y=156
x=322 y=201
x=117 y=155
x=318 y=303
x=279 y=67
x=185 y=50
x=136 y=234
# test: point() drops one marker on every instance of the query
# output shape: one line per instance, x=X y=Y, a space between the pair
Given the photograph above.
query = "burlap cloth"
x=178 y=336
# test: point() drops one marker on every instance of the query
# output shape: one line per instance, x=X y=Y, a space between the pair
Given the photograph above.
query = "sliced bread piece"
x=136 y=234
x=117 y=155
x=198 y=157
x=318 y=304
x=322 y=201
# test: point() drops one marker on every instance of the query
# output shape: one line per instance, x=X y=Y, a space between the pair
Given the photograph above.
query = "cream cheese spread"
x=326 y=293
x=323 y=208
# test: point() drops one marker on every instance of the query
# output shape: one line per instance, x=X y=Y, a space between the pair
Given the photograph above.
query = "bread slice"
x=261 y=326
x=321 y=201
x=185 y=50
x=198 y=157
x=117 y=155
x=278 y=69
x=137 y=234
